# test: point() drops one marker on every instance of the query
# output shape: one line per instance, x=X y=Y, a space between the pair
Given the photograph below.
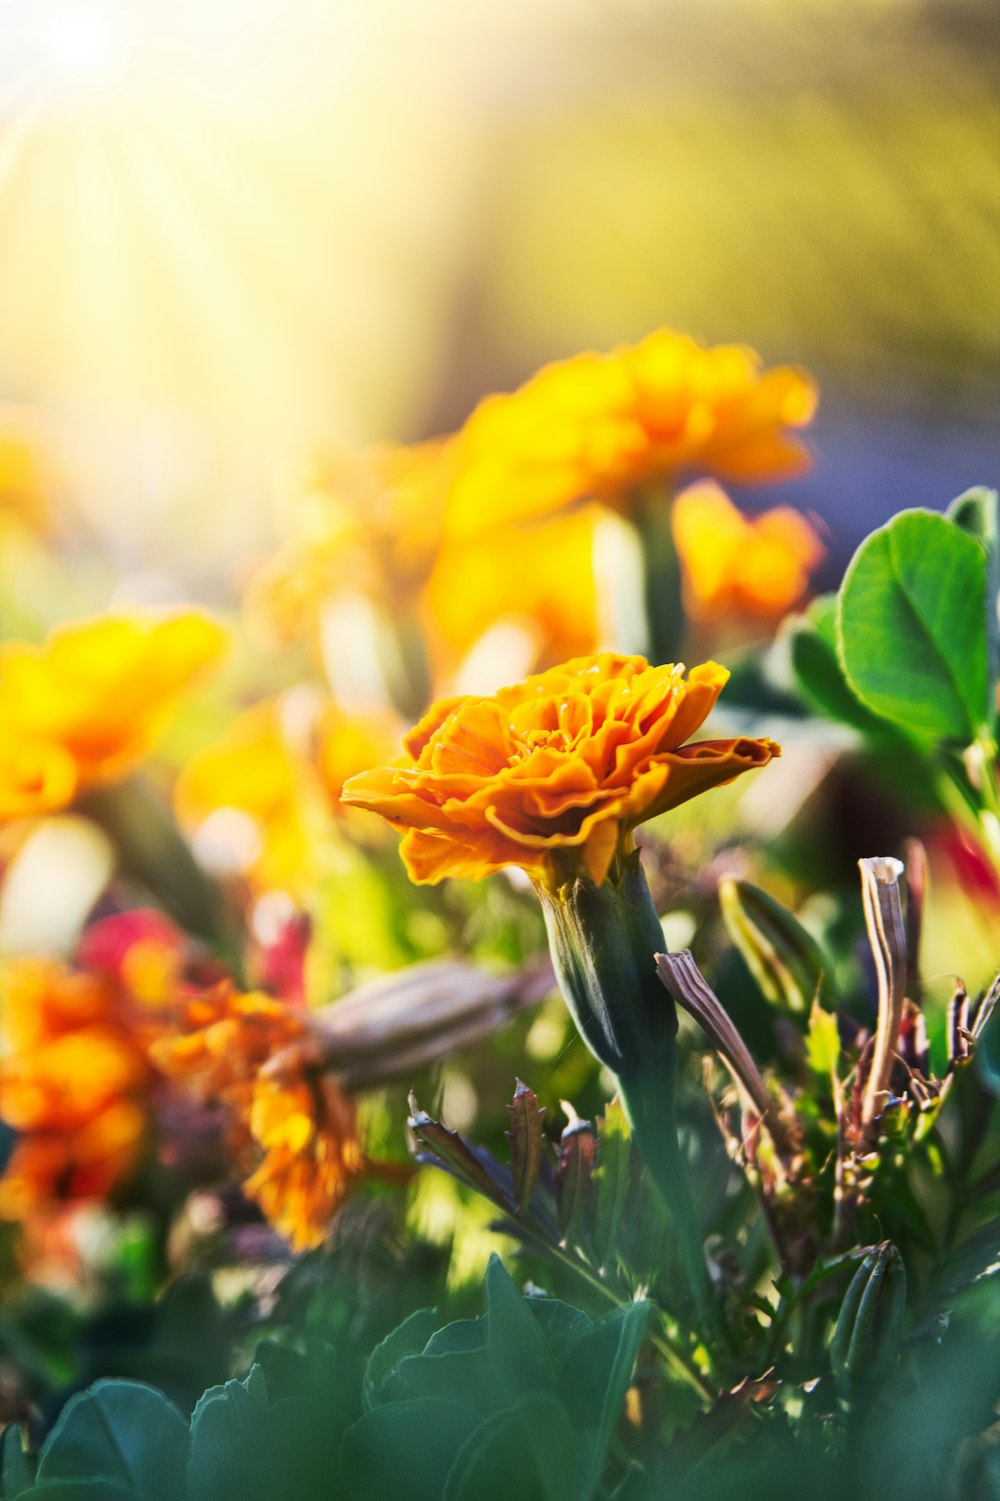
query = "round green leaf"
x=911 y=632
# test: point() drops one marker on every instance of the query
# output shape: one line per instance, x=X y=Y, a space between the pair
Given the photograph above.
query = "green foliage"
x=911 y=627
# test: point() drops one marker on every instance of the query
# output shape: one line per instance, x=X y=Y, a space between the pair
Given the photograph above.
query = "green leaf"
x=529 y=1450
x=594 y=1374
x=93 y=1489
x=405 y=1449
x=527 y=1142
x=408 y=1338
x=978 y=512
x=911 y=627
x=123 y=1431
x=822 y=1041
x=812 y=642
x=230 y=1455
x=17 y=1467
x=611 y=1178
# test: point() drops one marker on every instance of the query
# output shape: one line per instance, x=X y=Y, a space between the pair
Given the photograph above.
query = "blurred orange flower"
x=732 y=562
x=87 y=705
x=290 y=1127
x=540 y=577
x=555 y=771
x=599 y=426
x=365 y=522
x=72 y=1081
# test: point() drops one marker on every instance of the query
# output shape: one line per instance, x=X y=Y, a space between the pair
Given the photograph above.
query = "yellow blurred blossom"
x=539 y=576
x=258 y=799
x=292 y=1131
x=732 y=562
x=600 y=426
x=365 y=523
x=553 y=773
x=85 y=706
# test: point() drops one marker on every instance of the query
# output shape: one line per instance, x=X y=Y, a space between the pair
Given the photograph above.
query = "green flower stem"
x=662 y=583
x=603 y=941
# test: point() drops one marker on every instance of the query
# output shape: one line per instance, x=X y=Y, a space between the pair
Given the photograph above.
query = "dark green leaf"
x=404 y=1449
x=528 y=1450
x=124 y=1431
x=594 y=1374
x=785 y=960
x=910 y=627
x=17 y=1467
x=812 y=642
x=408 y=1338
x=94 y=1489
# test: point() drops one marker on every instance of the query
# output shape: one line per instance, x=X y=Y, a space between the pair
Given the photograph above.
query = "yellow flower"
x=294 y=1133
x=253 y=772
x=553 y=773
x=260 y=795
x=602 y=425
x=732 y=562
x=365 y=523
x=87 y=705
x=539 y=577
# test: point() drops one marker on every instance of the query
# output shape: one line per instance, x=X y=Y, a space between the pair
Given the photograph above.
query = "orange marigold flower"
x=72 y=1081
x=599 y=426
x=554 y=771
x=759 y=564
x=291 y=1128
x=85 y=706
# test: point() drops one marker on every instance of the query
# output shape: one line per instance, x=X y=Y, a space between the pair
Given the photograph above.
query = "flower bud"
x=865 y=1345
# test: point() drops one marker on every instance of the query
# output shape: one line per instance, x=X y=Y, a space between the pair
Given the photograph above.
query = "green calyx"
x=603 y=941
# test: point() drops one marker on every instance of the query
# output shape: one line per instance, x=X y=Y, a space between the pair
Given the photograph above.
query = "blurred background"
x=233 y=229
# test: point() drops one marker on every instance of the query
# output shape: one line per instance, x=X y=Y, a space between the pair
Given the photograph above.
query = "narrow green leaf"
x=527 y=1142
x=785 y=960
x=594 y=1376
x=611 y=1178
x=122 y=1430
x=911 y=632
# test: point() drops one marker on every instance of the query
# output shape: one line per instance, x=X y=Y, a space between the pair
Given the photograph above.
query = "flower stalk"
x=604 y=941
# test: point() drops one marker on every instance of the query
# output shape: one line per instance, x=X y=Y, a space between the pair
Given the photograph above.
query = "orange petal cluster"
x=601 y=425
x=73 y=1082
x=760 y=565
x=554 y=771
x=87 y=705
x=289 y=1124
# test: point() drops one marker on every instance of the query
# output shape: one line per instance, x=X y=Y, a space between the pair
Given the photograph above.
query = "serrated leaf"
x=404 y=1449
x=528 y=1450
x=527 y=1142
x=124 y=1431
x=408 y=1338
x=911 y=634
x=822 y=1041
x=456 y=1156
